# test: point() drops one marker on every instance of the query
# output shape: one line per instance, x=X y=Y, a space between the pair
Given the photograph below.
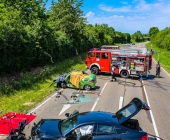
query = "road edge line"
x=98 y=97
x=43 y=103
x=150 y=111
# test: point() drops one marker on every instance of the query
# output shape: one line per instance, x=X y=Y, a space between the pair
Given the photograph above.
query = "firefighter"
x=158 y=69
x=113 y=68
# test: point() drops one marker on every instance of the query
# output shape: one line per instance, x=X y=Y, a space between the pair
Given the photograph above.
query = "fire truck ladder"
x=129 y=51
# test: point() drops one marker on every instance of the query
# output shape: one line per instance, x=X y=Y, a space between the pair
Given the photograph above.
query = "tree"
x=152 y=32
x=127 y=37
x=68 y=17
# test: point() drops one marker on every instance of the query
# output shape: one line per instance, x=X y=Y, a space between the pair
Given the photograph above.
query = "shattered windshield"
x=68 y=124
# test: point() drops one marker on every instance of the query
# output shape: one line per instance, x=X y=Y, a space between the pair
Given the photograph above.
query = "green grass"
x=26 y=98
x=162 y=55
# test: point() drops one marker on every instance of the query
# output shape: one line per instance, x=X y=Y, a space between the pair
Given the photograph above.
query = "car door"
x=105 y=62
x=131 y=110
x=84 y=132
x=106 y=132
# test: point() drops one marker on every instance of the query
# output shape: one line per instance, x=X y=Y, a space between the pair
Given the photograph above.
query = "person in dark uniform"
x=113 y=68
x=158 y=69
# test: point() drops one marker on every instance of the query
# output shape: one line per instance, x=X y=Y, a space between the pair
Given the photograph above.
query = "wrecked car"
x=94 y=125
x=76 y=79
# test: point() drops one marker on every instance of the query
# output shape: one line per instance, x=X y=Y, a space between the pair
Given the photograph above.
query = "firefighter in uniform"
x=113 y=68
x=158 y=69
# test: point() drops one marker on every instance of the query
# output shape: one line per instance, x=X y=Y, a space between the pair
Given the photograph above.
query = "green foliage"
x=161 y=39
x=26 y=98
x=31 y=36
x=138 y=37
x=28 y=80
x=153 y=31
x=161 y=55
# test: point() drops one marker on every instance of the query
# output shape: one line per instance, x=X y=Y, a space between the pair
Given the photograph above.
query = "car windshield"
x=126 y=112
x=68 y=124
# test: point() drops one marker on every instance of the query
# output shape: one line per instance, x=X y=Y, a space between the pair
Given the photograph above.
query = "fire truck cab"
x=128 y=62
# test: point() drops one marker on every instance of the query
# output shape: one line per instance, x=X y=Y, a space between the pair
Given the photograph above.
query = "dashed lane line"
x=98 y=97
x=120 y=102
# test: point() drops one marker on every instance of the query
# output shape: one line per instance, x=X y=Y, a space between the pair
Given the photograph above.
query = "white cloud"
x=89 y=14
x=111 y=9
x=139 y=16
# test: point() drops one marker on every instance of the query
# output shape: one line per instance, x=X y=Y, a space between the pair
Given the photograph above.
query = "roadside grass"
x=162 y=55
x=26 y=98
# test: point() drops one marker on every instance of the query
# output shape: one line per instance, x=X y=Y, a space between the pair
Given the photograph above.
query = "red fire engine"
x=128 y=62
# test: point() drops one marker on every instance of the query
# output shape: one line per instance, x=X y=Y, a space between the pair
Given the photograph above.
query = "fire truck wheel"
x=63 y=85
x=87 y=87
x=124 y=74
x=95 y=70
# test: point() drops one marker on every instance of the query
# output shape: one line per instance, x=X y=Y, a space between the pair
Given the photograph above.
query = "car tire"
x=59 y=85
x=124 y=74
x=63 y=85
x=95 y=70
x=87 y=87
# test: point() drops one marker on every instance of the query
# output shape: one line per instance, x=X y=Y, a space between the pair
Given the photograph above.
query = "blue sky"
x=128 y=16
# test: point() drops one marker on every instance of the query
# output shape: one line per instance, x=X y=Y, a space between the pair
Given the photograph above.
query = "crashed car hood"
x=47 y=128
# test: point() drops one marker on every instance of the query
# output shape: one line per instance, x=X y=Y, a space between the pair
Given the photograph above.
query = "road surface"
x=114 y=95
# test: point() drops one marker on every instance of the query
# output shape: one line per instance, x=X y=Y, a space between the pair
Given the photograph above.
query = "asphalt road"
x=154 y=91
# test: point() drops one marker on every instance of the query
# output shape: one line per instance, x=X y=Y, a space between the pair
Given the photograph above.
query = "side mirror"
x=67 y=115
x=146 y=107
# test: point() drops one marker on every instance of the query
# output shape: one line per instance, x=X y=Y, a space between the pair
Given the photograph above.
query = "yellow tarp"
x=76 y=77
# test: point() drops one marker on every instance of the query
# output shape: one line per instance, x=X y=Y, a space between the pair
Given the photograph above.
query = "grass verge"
x=26 y=98
x=162 y=55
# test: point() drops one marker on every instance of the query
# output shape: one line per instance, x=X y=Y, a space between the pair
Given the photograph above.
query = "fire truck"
x=127 y=61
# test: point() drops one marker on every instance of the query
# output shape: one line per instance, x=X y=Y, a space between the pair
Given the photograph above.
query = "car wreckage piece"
x=13 y=120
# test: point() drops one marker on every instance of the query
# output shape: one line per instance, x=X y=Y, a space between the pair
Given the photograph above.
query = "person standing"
x=158 y=69
x=113 y=68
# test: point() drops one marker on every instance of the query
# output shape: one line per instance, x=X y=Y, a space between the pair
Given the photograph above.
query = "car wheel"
x=95 y=70
x=59 y=84
x=87 y=87
x=124 y=74
x=63 y=85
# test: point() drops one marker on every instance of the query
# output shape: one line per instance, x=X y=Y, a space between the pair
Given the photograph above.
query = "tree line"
x=32 y=36
x=160 y=38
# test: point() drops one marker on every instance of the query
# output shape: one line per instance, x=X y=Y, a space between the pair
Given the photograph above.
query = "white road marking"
x=98 y=97
x=65 y=107
x=163 y=68
x=120 y=102
x=44 y=102
x=152 y=118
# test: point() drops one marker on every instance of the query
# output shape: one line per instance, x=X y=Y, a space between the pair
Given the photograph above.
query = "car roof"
x=96 y=117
